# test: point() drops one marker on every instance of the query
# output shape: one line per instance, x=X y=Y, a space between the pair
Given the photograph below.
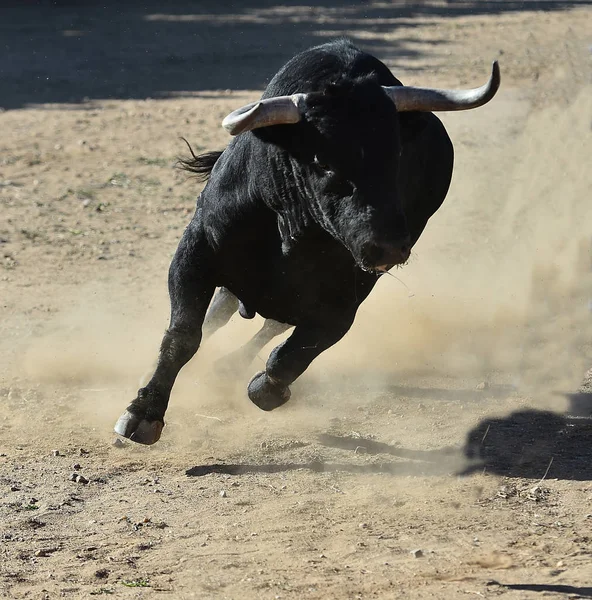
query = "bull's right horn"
x=281 y=110
x=408 y=98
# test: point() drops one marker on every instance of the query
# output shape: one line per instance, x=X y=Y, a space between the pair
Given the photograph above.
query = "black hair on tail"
x=200 y=165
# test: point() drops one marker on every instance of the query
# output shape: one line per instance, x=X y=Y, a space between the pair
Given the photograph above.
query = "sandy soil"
x=439 y=451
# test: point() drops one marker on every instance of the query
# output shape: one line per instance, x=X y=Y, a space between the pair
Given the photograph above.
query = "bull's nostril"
x=383 y=253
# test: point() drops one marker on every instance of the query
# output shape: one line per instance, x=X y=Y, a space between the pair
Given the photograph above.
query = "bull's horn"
x=428 y=100
x=281 y=110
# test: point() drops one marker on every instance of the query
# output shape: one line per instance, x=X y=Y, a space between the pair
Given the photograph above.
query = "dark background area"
x=67 y=51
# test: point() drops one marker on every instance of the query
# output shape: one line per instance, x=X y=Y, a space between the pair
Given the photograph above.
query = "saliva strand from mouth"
x=381 y=270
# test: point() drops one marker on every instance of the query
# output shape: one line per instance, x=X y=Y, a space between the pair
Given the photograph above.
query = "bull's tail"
x=200 y=165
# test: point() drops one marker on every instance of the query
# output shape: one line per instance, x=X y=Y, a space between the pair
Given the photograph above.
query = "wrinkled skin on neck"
x=343 y=158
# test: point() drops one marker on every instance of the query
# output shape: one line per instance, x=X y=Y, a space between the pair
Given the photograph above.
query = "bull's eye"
x=319 y=162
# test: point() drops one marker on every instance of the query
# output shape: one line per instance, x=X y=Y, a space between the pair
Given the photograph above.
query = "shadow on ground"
x=57 y=51
x=417 y=462
x=530 y=444
x=580 y=404
x=572 y=590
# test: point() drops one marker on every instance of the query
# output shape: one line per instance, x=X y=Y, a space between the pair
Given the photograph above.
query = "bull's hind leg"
x=269 y=389
x=223 y=306
x=190 y=293
x=240 y=359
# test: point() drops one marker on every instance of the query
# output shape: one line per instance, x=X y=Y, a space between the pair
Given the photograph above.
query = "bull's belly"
x=316 y=280
x=303 y=293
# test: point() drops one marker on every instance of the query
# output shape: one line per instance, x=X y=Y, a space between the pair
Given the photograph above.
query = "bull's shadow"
x=573 y=590
x=426 y=463
x=397 y=469
x=530 y=444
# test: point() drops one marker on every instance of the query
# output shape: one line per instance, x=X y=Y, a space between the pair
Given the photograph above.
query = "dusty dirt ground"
x=439 y=451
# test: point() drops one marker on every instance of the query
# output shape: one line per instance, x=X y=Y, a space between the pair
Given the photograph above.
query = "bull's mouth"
x=395 y=260
x=385 y=268
x=377 y=270
x=380 y=269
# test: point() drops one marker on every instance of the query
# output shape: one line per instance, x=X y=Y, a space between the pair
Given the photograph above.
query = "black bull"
x=330 y=183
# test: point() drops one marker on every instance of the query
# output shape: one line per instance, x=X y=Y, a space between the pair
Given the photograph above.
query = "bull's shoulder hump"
x=313 y=69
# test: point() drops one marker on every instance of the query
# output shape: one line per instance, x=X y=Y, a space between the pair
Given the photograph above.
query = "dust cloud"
x=498 y=287
x=103 y=339
x=501 y=282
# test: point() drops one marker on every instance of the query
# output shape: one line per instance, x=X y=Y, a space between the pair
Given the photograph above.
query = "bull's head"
x=352 y=154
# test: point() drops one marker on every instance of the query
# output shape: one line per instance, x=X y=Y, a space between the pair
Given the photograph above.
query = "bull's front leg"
x=270 y=388
x=190 y=291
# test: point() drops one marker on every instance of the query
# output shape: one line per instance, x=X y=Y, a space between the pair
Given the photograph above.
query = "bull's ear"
x=281 y=110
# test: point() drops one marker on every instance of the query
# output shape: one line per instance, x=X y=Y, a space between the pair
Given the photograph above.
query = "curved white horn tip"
x=495 y=74
x=237 y=121
x=230 y=127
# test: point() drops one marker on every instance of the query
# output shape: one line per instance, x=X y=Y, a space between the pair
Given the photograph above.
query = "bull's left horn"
x=407 y=98
x=281 y=110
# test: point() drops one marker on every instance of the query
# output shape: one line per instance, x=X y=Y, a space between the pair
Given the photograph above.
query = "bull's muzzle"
x=381 y=256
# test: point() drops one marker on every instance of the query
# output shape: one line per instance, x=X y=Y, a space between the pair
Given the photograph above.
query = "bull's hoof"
x=137 y=429
x=266 y=394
